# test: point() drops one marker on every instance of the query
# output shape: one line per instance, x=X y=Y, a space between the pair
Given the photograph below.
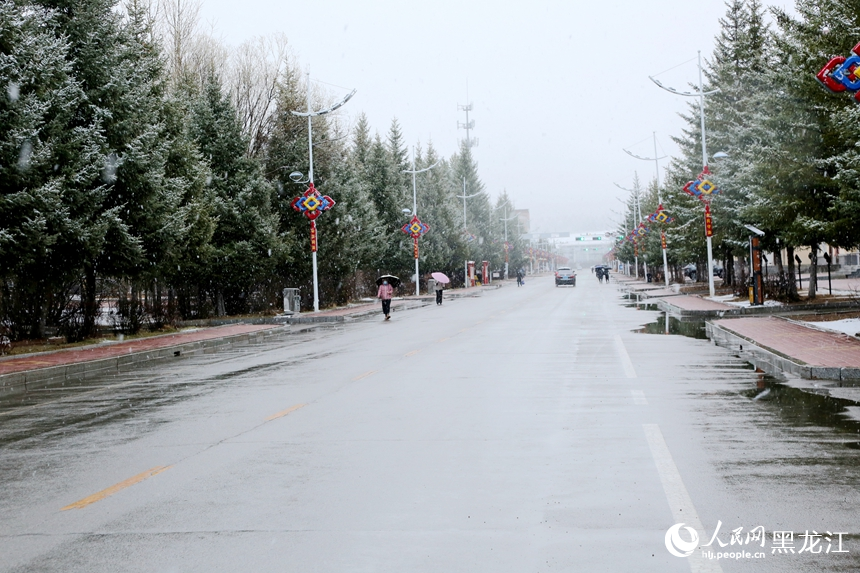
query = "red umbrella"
x=440 y=277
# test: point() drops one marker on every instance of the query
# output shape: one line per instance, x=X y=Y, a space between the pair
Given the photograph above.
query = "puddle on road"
x=676 y=326
x=643 y=306
x=807 y=407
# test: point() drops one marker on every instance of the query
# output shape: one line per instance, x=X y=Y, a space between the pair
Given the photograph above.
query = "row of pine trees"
x=793 y=149
x=144 y=163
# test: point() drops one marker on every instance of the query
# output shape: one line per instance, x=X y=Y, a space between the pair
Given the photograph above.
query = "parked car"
x=565 y=276
x=690 y=271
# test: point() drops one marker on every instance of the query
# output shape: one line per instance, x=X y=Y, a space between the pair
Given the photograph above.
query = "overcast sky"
x=559 y=87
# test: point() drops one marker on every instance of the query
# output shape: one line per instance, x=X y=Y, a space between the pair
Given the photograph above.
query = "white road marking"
x=679 y=500
x=624 y=357
x=639 y=397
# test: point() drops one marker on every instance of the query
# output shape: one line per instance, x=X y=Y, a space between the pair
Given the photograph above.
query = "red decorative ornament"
x=313 y=236
x=709 y=227
x=311 y=204
x=415 y=228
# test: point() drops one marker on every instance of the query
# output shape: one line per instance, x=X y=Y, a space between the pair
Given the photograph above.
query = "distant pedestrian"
x=519 y=277
x=384 y=294
x=439 y=287
x=599 y=273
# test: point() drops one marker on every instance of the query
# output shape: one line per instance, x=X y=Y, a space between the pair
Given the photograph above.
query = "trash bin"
x=431 y=286
x=292 y=301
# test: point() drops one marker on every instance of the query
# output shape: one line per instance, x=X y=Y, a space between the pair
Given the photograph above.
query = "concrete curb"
x=772 y=361
x=41 y=378
x=753 y=311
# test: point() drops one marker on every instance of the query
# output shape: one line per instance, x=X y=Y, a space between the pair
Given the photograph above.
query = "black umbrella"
x=392 y=280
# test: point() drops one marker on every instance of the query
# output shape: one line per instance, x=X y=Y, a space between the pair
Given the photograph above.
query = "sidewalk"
x=685 y=304
x=31 y=371
x=773 y=343
x=112 y=350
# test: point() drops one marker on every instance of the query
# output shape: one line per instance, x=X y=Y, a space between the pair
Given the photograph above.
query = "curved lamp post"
x=507 y=245
x=311 y=203
x=704 y=194
x=415 y=228
x=656 y=159
x=637 y=214
x=464 y=197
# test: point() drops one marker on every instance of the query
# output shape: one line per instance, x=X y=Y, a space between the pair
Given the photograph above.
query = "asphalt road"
x=529 y=429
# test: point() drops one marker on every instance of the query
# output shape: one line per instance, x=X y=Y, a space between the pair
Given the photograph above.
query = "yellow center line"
x=285 y=412
x=464 y=330
x=443 y=339
x=115 y=488
x=413 y=353
x=365 y=375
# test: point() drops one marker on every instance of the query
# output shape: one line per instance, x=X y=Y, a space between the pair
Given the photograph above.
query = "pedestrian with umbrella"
x=386 y=291
x=441 y=280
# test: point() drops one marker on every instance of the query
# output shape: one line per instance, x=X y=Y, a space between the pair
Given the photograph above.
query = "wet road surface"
x=529 y=429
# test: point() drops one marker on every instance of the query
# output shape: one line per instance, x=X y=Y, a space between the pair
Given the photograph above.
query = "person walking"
x=439 y=287
x=519 y=277
x=384 y=294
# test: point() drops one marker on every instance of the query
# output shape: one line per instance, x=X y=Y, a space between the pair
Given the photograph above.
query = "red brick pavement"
x=687 y=302
x=65 y=357
x=808 y=345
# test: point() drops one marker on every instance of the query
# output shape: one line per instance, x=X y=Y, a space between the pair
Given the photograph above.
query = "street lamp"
x=415 y=227
x=505 y=220
x=464 y=197
x=637 y=213
x=311 y=204
x=706 y=196
x=656 y=159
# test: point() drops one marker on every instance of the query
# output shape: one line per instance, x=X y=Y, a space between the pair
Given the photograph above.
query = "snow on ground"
x=743 y=303
x=846 y=325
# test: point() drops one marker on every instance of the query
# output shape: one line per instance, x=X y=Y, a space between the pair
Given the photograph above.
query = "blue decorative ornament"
x=840 y=74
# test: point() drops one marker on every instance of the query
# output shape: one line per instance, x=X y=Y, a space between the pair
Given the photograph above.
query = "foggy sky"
x=559 y=88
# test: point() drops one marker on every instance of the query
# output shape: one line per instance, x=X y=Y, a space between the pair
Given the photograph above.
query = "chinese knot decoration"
x=702 y=188
x=660 y=216
x=415 y=228
x=311 y=204
x=839 y=74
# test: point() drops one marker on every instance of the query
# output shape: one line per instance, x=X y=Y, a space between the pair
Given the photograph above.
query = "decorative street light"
x=701 y=188
x=637 y=214
x=311 y=203
x=656 y=159
x=507 y=245
x=465 y=231
x=415 y=228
